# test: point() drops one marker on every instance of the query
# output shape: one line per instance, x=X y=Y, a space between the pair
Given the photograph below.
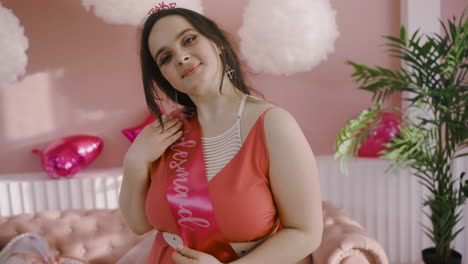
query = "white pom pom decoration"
x=134 y=12
x=285 y=37
x=13 y=46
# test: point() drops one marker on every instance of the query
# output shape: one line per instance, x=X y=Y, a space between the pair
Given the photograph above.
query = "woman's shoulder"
x=257 y=107
x=254 y=108
x=277 y=121
x=274 y=117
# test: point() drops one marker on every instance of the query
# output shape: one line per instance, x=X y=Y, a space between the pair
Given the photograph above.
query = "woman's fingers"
x=173 y=138
x=180 y=259
x=170 y=126
x=167 y=121
x=171 y=133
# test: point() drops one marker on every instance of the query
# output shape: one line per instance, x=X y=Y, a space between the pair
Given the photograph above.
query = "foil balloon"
x=132 y=133
x=65 y=157
x=387 y=128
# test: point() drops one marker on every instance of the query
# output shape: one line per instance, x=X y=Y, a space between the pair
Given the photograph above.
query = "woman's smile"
x=190 y=71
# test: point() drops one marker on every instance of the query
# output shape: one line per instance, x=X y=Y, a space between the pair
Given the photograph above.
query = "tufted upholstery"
x=102 y=237
x=97 y=236
x=345 y=241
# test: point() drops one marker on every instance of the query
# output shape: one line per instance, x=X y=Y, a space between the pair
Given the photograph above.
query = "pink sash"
x=189 y=197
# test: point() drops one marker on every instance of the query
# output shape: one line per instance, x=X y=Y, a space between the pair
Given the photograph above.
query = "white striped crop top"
x=219 y=150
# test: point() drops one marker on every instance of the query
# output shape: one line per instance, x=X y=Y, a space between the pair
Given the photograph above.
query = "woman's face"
x=186 y=58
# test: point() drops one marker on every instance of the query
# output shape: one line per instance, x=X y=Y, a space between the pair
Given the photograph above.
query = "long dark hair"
x=151 y=73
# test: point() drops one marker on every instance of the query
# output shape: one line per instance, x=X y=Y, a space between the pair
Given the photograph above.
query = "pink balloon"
x=65 y=157
x=388 y=128
x=132 y=133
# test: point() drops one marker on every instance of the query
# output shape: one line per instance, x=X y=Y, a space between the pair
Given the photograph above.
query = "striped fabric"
x=219 y=150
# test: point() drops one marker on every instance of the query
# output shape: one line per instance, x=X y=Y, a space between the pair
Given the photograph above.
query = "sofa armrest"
x=345 y=241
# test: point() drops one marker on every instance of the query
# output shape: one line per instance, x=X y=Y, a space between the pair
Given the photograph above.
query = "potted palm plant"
x=434 y=76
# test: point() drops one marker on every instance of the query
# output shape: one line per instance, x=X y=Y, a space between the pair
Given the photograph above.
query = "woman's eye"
x=189 y=40
x=165 y=59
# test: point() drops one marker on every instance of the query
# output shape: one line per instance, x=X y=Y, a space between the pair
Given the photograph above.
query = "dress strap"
x=241 y=107
x=267 y=110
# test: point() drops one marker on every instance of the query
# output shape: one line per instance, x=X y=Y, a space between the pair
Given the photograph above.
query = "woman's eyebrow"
x=178 y=36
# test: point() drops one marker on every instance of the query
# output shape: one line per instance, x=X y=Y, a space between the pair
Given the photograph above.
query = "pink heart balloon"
x=132 y=133
x=388 y=128
x=65 y=157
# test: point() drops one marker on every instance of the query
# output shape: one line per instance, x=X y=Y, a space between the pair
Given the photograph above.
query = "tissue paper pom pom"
x=133 y=12
x=13 y=46
x=284 y=37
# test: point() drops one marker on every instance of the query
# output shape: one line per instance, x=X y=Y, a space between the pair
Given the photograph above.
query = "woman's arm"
x=296 y=190
x=132 y=197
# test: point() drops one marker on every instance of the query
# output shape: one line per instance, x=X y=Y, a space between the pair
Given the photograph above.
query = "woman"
x=249 y=192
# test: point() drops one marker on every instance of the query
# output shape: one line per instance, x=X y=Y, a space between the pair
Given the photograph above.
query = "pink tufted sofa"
x=100 y=236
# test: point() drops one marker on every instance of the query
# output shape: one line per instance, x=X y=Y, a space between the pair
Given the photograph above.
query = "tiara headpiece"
x=161 y=6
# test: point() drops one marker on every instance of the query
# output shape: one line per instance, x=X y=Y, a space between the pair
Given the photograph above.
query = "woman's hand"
x=153 y=141
x=185 y=255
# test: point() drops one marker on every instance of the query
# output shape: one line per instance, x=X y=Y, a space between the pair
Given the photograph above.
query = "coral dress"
x=240 y=193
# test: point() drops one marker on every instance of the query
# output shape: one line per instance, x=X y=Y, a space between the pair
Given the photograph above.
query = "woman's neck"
x=216 y=106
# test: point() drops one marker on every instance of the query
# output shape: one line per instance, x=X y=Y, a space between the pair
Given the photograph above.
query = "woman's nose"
x=183 y=59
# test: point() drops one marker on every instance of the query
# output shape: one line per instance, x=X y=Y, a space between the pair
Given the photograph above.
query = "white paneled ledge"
x=35 y=192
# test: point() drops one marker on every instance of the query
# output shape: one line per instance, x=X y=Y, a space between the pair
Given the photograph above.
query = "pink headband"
x=161 y=6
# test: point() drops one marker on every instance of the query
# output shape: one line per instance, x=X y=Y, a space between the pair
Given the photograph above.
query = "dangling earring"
x=229 y=72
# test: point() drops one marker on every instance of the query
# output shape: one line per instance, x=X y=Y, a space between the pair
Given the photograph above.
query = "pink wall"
x=83 y=78
x=450 y=8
